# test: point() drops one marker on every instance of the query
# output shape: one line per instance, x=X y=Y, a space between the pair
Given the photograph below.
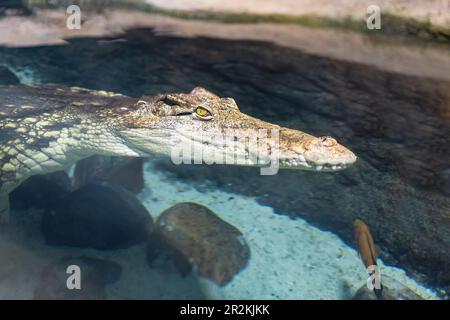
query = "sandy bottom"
x=290 y=259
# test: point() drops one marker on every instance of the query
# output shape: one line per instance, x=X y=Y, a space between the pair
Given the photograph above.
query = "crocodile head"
x=206 y=127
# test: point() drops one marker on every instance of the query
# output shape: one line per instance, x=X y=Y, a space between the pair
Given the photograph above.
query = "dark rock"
x=216 y=249
x=392 y=290
x=95 y=274
x=97 y=216
x=7 y=77
x=14 y=8
x=41 y=191
x=120 y=171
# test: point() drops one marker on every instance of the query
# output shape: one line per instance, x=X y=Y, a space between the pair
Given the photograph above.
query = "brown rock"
x=216 y=249
x=161 y=255
x=120 y=171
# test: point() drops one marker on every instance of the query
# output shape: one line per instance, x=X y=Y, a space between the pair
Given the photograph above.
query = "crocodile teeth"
x=318 y=168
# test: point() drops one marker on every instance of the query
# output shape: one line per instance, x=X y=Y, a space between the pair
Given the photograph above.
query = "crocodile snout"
x=303 y=151
x=325 y=153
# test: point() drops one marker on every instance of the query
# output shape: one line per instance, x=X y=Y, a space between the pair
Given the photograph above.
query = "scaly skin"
x=44 y=129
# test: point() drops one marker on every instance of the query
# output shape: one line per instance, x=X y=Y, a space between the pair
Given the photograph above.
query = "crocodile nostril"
x=327 y=141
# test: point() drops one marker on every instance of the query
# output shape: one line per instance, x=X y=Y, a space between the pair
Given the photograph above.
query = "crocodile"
x=48 y=128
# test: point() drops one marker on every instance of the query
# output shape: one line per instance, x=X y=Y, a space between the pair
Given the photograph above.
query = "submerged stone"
x=216 y=249
x=41 y=191
x=94 y=275
x=121 y=171
x=161 y=255
x=97 y=216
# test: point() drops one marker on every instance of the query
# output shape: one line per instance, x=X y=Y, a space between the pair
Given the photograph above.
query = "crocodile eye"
x=202 y=113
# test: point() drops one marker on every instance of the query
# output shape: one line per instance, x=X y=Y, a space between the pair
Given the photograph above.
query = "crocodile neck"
x=52 y=142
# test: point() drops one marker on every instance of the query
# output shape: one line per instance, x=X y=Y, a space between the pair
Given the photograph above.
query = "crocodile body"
x=44 y=129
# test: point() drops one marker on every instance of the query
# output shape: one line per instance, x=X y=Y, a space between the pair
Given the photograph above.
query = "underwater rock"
x=97 y=216
x=392 y=290
x=120 y=171
x=216 y=249
x=7 y=77
x=14 y=8
x=41 y=191
x=161 y=255
x=95 y=274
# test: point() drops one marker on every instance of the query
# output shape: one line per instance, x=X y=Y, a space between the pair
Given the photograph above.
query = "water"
x=298 y=224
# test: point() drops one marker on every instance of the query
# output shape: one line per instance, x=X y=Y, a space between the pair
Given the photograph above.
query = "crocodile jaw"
x=294 y=149
x=169 y=124
x=313 y=153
